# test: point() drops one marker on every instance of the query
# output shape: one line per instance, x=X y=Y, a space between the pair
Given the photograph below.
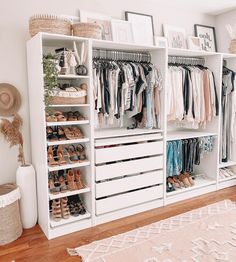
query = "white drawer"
x=103 y=155
x=128 y=199
x=129 y=183
x=131 y=167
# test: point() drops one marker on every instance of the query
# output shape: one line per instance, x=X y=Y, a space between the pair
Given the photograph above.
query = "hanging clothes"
x=228 y=104
x=191 y=95
x=182 y=155
x=126 y=90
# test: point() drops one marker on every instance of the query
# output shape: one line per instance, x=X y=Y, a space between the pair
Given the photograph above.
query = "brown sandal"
x=51 y=160
x=191 y=181
x=60 y=155
x=183 y=178
x=64 y=208
x=77 y=132
x=71 y=180
x=172 y=182
x=69 y=134
x=56 y=210
x=60 y=117
x=78 y=179
x=50 y=118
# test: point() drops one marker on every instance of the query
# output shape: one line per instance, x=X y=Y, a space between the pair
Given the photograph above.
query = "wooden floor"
x=33 y=245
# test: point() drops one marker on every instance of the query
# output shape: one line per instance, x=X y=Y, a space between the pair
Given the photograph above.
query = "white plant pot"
x=25 y=179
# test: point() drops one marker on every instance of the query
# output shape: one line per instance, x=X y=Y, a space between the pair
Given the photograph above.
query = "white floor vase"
x=25 y=179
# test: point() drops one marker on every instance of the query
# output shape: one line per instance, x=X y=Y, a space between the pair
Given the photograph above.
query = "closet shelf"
x=68 y=123
x=185 y=134
x=200 y=181
x=189 y=52
x=227 y=178
x=228 y=55
x=71 y=219
x=69 y=193
x=71 y=105
x=227 y=164
x=72 y=77
x=68 y=142
x=118 y=132
x=69 y=166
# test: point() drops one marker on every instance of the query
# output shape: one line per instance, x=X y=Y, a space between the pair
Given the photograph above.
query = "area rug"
x=203 y=235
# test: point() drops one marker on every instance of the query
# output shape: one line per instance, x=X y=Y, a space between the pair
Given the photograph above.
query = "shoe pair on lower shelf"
x=60 y=183
x=226 y=172
x=63 y=133
x=61 y=155
x=183 y=180
x=63 y=208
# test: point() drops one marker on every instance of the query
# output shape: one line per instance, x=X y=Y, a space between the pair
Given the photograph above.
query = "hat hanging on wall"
x=10 y=100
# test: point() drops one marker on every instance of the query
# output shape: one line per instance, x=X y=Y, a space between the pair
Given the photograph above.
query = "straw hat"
x=10 y=100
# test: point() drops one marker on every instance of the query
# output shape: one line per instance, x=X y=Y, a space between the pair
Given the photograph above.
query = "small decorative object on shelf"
x=25 y=175
x=207 y=37
x=176 y=36
x=232 y=33
x=10 y=226
x=49 y=24
x=194 y=43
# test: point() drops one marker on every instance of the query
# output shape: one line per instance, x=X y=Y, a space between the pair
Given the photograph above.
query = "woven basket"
x=10 y=223
x=88 y=30
x=49 y=24
x=58 y=100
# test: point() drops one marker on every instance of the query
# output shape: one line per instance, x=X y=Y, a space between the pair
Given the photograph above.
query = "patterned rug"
x=203 y=235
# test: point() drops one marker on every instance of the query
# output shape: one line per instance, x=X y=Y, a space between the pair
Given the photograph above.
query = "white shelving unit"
x=133 y=178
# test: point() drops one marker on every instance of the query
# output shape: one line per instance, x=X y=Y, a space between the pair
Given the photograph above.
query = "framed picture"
x=160 y=41
x=194 y=43
x=176 y=36
x=122 y=31
x=142 y=24
x=103 y=20
x=207 y=37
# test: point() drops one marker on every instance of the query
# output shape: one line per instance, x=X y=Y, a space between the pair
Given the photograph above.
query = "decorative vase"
x=25 y=179
x=81 y=70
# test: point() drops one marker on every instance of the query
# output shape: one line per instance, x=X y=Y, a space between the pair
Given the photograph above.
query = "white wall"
x=223 y=38
x=14 y=17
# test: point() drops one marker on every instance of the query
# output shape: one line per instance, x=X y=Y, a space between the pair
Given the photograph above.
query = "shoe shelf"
x=227 y=164
x=68 y=142
x=227 y=178
x=71 y=219
x=68 y=123
x=71 y=105
x=199 y=182
x=69 y=193
x=69 y=166
x=72 y=77
x=176 y=135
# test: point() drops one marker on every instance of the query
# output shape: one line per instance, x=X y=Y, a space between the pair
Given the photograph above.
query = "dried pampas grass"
x=12 y=134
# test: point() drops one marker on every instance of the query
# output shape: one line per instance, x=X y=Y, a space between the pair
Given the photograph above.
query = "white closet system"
x=138 y=184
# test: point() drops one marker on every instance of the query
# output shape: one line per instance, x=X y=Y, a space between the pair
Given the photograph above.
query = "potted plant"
x=25 y=175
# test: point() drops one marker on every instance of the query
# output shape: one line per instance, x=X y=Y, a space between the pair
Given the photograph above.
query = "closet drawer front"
x=129 y=183
x=128 y=168
x=103 y=155
x=129 y=199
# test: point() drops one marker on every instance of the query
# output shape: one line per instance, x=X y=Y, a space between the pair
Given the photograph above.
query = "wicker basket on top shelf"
x=49 y=24
x=88 y=30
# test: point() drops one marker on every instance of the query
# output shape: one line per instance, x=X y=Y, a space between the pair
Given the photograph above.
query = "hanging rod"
x=119 y=55
x=186 y=60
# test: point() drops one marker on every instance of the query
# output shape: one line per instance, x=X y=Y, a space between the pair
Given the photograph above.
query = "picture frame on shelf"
x=103 y=20
x=160 y=41
x=207 y=37
x=142 y=26
x=122 y=31
x=194 y=43
x=176 y=36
